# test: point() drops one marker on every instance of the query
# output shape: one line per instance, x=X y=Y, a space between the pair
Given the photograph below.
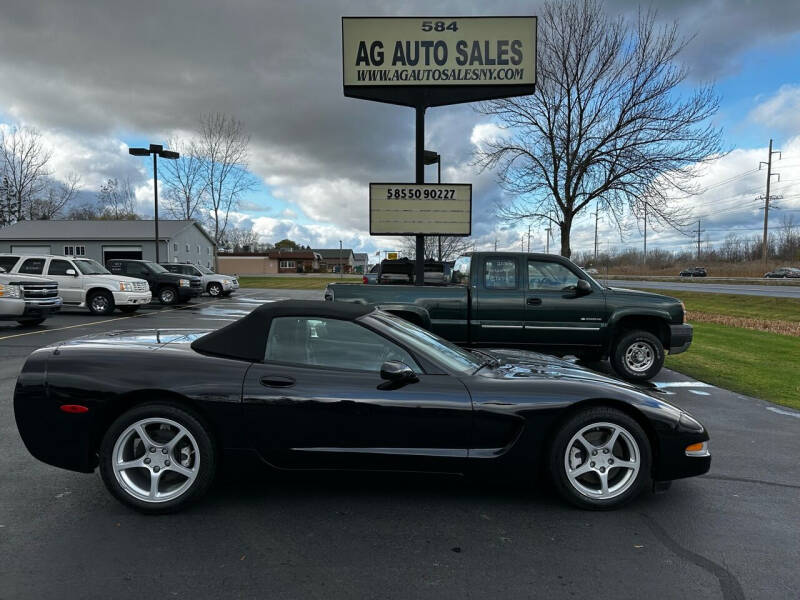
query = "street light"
x=341 y=261
x=429 y=157
x=156 y=150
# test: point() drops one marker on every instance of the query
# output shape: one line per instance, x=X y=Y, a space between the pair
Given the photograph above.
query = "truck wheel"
x=30 y=322
x=637 y=356
x=157 y=458
x=168 y=295
x=600 y=459
x=214 y=289
x=101 y=303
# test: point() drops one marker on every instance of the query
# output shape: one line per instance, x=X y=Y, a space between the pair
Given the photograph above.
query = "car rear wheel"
x=168 y=295
x=600 y=459
x=637 y=356
x=157 y=458
x=214 y=289
x=101 y=303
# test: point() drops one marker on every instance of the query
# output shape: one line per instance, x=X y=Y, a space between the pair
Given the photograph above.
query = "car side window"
x=59 y=267
x=546 y=275
x=500 y=274
x=8 y=262
x=32 y=266
x=331 y=343
x=136 y=269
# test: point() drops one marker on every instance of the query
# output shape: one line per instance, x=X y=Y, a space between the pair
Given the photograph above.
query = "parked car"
x=540 y=302
x=371 y=276
x=590 y=270
x=401 y=271
x=169 y=288
x=323 y=385
x=694 y=272
x=27 y=300
x=85 y=283
x=213 y=283
x=784 y=272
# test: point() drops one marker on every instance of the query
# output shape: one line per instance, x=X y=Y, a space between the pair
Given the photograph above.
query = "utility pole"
x=699 y=231
x=644 y=260
x=522 y=243
x=549 y=229
x=495 y=244
x=766 y=198
x=529 y=238
x=596 y=218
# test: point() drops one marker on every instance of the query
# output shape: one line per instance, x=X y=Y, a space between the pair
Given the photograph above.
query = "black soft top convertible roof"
x=246 y=339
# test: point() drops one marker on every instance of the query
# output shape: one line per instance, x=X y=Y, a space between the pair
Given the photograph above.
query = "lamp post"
x=156 y=150
x=341 y=261
x=429 y=157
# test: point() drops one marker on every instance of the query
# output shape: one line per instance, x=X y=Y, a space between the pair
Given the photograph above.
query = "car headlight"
x=184 y=283
x=10 y=291
x=125 y=286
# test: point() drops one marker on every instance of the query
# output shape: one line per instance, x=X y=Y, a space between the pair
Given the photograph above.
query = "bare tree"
x=607 y=122
x=452 y=246
x=56 y=196
x=23 y=162
x=237 y=238
x=184 y=181
x=223 y=147
x=117 y=199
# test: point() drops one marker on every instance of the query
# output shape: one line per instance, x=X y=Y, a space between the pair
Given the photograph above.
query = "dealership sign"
x=420 y=209
x=433 y=61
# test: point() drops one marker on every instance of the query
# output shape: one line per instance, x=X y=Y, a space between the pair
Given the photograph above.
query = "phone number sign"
x=420 y=209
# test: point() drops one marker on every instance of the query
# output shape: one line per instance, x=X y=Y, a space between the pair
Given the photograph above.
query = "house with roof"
x=336 y=260
x=179 y=241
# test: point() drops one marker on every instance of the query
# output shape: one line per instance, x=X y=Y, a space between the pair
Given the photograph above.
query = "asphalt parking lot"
x=734 y=533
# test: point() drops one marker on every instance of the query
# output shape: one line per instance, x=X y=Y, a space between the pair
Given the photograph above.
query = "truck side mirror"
x=71 y=272
x=583 y=287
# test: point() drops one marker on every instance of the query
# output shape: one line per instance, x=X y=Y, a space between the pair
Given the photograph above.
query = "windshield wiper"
x=489 y=360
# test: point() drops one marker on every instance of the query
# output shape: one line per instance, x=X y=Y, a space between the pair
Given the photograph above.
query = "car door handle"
x=277 y=381
x=534 y=301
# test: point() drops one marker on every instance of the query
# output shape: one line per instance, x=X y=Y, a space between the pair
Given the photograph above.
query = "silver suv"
x=27 y=300
x=215 y=284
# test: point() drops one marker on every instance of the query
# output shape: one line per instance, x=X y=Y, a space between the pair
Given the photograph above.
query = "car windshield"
x=155 y=267
x=424 y=342
x=204 y=270
x=87 y=266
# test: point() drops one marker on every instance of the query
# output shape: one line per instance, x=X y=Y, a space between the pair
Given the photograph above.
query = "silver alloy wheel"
x=156 y=460
x=602 y=460
x=100 y=303
x=640 y=356
x=214 y=289
x=167 y=296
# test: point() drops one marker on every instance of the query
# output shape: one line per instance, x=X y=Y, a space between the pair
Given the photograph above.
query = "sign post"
x=423 y=62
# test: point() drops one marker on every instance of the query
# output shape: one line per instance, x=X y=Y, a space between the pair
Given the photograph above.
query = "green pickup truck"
x=538 y=302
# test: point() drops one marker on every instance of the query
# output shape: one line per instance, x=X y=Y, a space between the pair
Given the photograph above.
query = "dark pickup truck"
x=538 y=302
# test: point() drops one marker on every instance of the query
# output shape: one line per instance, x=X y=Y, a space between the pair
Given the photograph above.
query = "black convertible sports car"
x=306 y=384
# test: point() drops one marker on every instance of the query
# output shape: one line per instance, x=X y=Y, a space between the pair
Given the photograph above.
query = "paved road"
x=776 y=291
x=731 y=534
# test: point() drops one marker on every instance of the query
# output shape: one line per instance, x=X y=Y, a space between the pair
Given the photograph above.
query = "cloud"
x=781 y=111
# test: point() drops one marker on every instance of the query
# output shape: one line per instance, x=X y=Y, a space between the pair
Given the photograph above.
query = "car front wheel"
x=637 y=356
x=600 y=459
x=168 y=295
x=101 y=303
x=157 y=458
x=214 y=289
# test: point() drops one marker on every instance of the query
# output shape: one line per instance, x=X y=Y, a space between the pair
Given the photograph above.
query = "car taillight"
x=364 y=279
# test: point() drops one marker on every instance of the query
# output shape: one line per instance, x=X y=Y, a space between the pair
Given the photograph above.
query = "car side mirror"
x=397 y=373
x=583 y=287
x=71 y=272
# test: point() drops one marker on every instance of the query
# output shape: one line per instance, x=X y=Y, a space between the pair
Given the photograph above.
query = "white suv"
x=215 y=284
x=83 y=282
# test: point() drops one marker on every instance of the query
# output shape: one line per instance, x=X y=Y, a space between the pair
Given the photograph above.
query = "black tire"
x=128 y=310
x=561 y=456
x=214 y=289
x=206 y=467
x=100 y=303
x=30 y=322
x=168 y=295
x=637 y=356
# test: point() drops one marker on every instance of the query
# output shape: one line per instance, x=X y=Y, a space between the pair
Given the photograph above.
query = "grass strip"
x=738 y=305
x=292 y=283
x=756 y=363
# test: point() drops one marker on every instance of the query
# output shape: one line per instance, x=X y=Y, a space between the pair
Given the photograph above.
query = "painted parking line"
x=781 y=411
x=140 y=316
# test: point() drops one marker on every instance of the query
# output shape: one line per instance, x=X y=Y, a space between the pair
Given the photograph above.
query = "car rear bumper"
x=132 y=298
x=680 y=338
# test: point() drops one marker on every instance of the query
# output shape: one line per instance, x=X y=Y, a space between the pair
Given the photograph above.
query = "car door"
x=499 y=302
x=557 y=315
x=70 y=287
x=318 y=400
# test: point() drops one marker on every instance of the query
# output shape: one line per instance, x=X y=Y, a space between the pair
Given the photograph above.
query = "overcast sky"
x=97 y=77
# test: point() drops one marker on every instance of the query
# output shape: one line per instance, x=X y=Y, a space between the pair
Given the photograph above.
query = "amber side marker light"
x=74 y=408
x=698 y=449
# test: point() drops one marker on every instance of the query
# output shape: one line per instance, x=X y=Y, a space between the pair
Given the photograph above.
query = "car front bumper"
x=17 y=308
x=132 y=298
x=680 y=338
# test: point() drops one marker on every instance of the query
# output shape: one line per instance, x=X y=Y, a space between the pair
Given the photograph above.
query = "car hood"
x=114 y=278
x=515 y=364
x=20 y=278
